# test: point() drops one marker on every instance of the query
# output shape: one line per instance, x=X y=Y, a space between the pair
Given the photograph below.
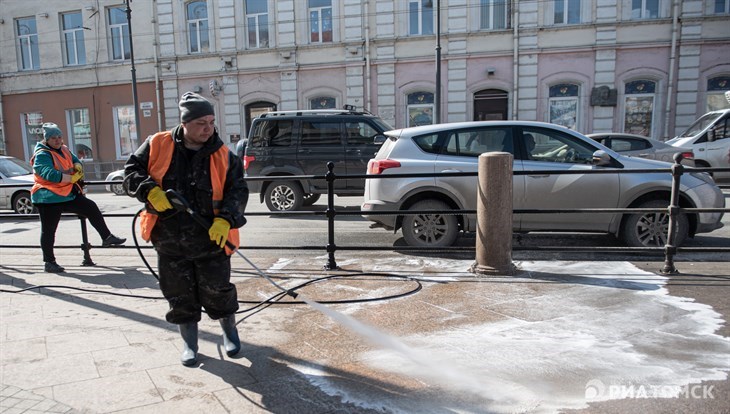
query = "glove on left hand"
x=218 y=232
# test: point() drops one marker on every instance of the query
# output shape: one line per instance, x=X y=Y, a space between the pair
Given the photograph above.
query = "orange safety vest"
x=161 y=150
x=64 y=163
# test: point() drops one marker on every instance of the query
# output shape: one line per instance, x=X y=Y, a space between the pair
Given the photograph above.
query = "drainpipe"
x=672 y=64
x=515 y=58
x=157 y=67
x=366 y=18
x=3 y=131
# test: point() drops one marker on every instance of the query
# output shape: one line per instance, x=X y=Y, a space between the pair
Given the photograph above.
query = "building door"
x=490 y=105
x=253 y=110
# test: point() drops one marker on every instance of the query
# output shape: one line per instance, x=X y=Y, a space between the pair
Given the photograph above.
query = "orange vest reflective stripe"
x=64 y=163
x=162 y=147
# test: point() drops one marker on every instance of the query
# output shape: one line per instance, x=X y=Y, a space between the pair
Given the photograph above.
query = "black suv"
x=288 y=143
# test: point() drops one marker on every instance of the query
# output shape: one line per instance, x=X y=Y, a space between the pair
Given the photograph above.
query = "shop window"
x=563 y=105
x=639 y=101
x=420 y=109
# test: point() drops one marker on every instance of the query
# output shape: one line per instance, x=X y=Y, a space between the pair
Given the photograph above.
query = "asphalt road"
x=265 y=230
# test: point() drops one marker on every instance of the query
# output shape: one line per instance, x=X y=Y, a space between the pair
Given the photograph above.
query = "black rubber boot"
x=189 y=333
x=230 y=335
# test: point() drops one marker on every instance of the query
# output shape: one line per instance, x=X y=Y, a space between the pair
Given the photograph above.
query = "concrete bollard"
x=494 y=215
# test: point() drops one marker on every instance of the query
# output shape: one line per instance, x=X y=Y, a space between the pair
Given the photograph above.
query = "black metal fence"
x=669 y=251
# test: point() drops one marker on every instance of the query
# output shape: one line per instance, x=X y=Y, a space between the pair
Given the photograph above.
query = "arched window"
x=639 y=101
x=197 y=15
x=716 y=88
x=563 y=105
x=323 y=102
x=420 y=109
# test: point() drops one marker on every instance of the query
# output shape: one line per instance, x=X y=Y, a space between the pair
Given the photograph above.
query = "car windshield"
x=699 y=125
x=12 y=167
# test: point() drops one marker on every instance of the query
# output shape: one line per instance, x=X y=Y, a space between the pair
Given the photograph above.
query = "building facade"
x=641 y=66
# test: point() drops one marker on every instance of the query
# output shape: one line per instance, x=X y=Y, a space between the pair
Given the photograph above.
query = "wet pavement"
x=397 y=333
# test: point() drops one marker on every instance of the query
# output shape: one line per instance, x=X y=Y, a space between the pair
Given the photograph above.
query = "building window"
x=639 y=107
x=492 y=14
x=27 y=43
x=197 y=15
x=323 y=102
x=32 y=131
x=722 y=6
x=563 y=105
x=420 y=17
x=716 y=88
x=420 y=109
x=125 y=131
x=566 y=11
x=320 y=21
x=73 y=39
x=645 y=9
x=79 y=135
x=257 y=22
x=118 y=33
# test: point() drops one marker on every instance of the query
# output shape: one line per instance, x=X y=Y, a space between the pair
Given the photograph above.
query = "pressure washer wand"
x=180 y=204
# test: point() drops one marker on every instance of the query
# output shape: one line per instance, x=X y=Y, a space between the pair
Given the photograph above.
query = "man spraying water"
x=194 y=261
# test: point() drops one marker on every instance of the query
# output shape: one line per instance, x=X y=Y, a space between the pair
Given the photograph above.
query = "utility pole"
x=437 y=95
x=135 y=99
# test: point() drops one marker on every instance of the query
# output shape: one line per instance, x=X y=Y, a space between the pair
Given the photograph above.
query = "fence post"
x=85 y=246
x=670 y=249
x=330 y=213
x=494 y=215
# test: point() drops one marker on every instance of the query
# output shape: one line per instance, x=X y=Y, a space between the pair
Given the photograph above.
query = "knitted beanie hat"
x=51 y=130
x=193 y=106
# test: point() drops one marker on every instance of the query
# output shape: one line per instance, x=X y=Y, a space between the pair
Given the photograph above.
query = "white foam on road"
x=609 y=326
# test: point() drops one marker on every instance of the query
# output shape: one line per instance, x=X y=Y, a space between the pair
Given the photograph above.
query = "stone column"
x=494 y=215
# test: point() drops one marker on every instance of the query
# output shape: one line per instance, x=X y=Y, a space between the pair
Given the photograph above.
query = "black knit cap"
x=193 y=106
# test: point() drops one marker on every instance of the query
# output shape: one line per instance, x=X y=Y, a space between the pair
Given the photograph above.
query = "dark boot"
x=112 y=240
x=189 y=333
x=53 y=267
x=230 y=335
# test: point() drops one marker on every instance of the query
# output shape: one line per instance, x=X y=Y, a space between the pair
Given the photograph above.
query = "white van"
x=709 y=138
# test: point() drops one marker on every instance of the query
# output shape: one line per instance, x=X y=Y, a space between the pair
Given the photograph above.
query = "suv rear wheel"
x=284 y=196
x=430 y=230
x=651 y=229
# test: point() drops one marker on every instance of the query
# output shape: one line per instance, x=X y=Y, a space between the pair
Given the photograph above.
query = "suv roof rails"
x=347 y=110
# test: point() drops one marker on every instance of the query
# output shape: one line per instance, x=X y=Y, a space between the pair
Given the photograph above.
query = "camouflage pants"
x=190 y=285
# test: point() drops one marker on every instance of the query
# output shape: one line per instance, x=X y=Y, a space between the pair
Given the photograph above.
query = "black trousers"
x=50 y=214
x=190 y=284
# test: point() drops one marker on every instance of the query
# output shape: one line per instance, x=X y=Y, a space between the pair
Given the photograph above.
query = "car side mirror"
x=379 y=139
x=601 y=158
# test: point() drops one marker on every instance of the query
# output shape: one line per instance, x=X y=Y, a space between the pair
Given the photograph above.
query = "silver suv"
x=535 y=146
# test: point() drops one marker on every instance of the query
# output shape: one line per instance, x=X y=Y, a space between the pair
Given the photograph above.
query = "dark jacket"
x=189 y=175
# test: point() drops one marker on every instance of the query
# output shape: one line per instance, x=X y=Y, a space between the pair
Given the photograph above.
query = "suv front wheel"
x=430 y=230
x=284 y=196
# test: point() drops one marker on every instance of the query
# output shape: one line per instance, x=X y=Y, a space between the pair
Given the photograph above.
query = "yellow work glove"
x=219 y=231
x=78 y=167
x=159 y=200
x=77 y=176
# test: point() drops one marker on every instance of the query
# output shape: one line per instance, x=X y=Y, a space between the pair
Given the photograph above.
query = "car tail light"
x=688 y=155
x=376 y=167
x=247 y=159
